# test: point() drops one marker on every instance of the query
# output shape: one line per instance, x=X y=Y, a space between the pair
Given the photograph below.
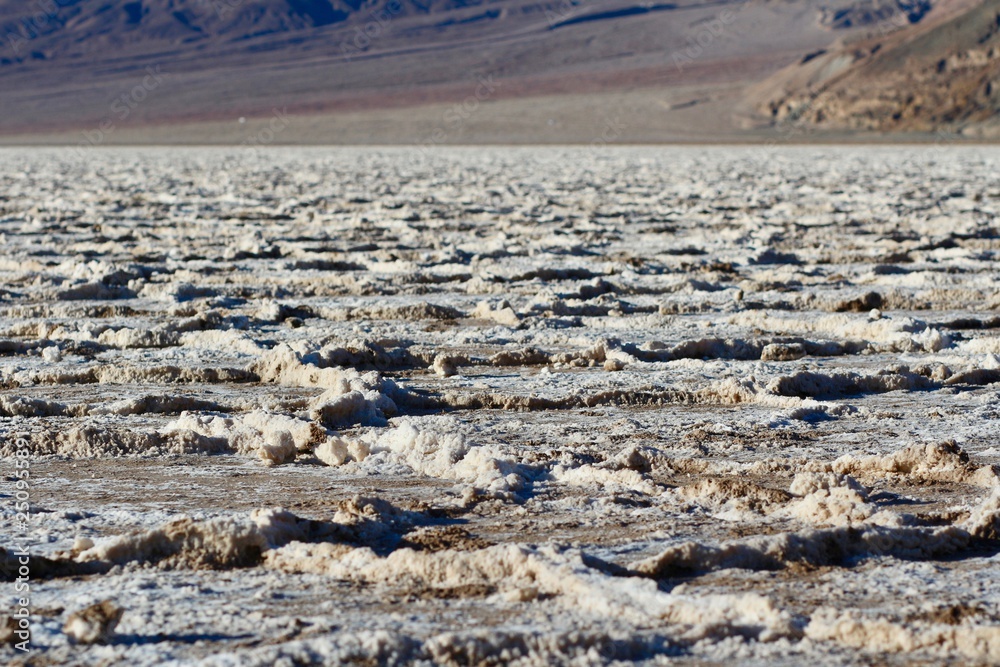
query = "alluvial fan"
x=491 y=406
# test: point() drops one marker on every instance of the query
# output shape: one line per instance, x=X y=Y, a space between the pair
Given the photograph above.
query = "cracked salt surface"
x=533 y=406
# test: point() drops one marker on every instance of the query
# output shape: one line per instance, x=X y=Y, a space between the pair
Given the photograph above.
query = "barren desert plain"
x=562 y=405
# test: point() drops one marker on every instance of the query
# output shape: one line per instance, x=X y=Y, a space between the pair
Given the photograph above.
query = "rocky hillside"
x=942 y=76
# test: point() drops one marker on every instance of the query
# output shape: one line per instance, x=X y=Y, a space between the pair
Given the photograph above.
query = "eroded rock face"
x=875 y=13
x=722 y=404
x=940 y=76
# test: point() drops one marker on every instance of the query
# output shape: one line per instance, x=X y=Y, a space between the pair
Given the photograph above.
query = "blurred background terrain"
x=497 y=71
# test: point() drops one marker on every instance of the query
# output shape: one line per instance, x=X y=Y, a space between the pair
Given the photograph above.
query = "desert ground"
x=563 y=405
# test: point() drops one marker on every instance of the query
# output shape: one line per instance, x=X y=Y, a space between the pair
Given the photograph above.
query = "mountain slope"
x=391 y=70
x=942 y=77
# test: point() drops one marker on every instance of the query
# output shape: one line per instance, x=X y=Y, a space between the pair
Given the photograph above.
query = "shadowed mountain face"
x=555 y=67
x=873 y=12
x=59 y=28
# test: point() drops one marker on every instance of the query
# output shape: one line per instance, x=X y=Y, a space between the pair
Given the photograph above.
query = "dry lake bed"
x=705 y=406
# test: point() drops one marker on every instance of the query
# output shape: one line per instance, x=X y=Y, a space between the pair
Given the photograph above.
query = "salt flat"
x=489 y=406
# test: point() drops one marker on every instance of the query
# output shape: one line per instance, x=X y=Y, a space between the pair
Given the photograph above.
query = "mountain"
x=942 y=77
x=452 y=71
